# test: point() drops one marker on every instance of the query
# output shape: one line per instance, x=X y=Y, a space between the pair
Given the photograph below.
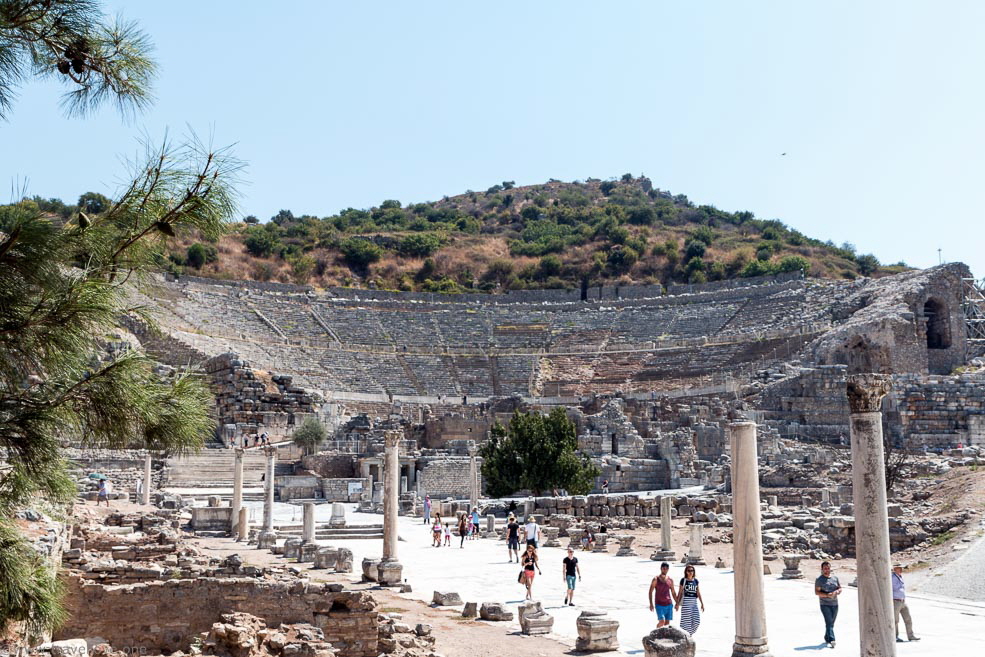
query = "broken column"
x=875 y=596
x=625 y=545
x=473 y=477
x=747 y=544
x=267 y=537
x=534 y=620
x=666 y=552
x=237 y=501
x=308 y=522
x=390 y=570
x=145 y=493
x=596 y=632
x=338 y=516
x=243 y=526
x=695 y=547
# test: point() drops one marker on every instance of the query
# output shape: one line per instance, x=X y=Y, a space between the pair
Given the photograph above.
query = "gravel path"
x=961 y=578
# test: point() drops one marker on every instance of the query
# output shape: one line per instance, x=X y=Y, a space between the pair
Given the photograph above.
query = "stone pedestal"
x=792 y=567
x=344 y=564
x=326 y=557
x=877 y=632
x=551 y=536
x=601 y=541
x=145 y=493
x=243 y=526
x=695 y=549
x=596 y=632
x=747 y=544
x=625 y=545
x=574 y=538
x=266 y=540
x=306 y=552
x=534 y=620
x=338 y=516
x=491 y=525
x=772 y=500
x=668 y=641
x=390 y=573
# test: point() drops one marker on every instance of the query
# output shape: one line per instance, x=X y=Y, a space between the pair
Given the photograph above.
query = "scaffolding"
x=973 y=306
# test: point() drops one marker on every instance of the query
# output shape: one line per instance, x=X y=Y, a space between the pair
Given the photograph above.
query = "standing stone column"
x=875 y=596
x=267 y=536
x=666 y=551
x=695 y=553
x=237 y=502
x=390 y=570
x=145 y=494
x=308 y=527
x=747 y=544
x=473 y=477
x=243 y=526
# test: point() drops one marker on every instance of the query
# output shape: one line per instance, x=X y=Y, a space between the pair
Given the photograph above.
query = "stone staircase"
x=213 y=468
x=325 y=533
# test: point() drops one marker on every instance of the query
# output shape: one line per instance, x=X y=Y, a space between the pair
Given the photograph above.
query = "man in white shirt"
x=532 y=531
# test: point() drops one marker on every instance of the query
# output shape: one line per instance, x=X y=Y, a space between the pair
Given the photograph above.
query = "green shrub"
x=420 y=245
x=359 y=252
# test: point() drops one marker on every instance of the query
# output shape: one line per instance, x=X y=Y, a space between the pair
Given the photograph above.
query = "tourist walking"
x=570 y=569
x=448 y=534
x=436 y=532
x=529 y=563
x=427 y=509
x=899 y=604
x=475 y=523
x=662 y=596
x=463 y=529
x=102 y=494
x=513 y=539
x=532 y=531
x=828 y=588
x=687 y=601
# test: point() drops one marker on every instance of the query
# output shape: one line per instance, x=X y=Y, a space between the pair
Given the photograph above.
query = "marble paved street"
x=481 y=573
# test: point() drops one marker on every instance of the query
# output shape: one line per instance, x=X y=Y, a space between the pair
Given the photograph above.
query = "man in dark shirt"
x=827 y=588
x=570 y=569
x=513 y=539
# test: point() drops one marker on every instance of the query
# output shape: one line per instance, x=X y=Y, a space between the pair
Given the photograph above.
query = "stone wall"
x=164 y=616
x=941 y=411
x=338 y=489
x=447 y=478
x=331 y=465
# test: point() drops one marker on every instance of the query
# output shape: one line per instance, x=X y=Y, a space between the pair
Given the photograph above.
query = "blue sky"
x=877 y=105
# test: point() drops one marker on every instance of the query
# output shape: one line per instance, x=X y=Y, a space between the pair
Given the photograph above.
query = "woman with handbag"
x=529 y=563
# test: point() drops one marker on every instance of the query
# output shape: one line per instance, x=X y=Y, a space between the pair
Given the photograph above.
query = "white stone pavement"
x=481 y=573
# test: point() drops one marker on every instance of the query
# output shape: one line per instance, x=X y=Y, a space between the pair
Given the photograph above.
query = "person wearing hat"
x=532 y=531
x=513 y=538
x=899 y=604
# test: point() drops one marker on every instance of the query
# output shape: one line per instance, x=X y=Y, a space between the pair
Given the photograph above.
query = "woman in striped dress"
x=688 y=599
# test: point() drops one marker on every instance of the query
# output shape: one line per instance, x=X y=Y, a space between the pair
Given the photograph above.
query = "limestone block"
x=551 y=536
x=344 y=564
x=371 y=569
x=534 y=620
x=292 y=548
x=390 y=573
x=792 y=569
x=446 y=599
x=600 y=543
x=574 y=538
x=625 y=545
x=668 y=641
x=471 y=610
x=495 y=611
x=596 y=632
x=326 y=557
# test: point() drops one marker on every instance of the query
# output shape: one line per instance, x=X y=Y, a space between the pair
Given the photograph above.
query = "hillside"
x=551 y=235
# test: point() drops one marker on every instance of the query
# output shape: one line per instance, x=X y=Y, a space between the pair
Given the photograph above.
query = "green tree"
x=63 y=286
x=259 y=241
x=200 y=254
x=309 y=435
x=794 y=263
x=94 y=203
x=360 y=252
x=537 y=453
x=867 y=264
x=420 y=245
x=71 y=41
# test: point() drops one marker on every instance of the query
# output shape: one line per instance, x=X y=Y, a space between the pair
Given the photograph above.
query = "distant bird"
x=782 y=154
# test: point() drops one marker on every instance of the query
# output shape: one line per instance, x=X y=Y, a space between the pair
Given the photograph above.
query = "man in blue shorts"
x=662 y=595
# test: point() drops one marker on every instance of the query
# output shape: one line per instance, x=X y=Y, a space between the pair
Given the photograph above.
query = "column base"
x=390 y=573
x=266 y=539
x=695 y=561
x=663 y=555
x=745 y=650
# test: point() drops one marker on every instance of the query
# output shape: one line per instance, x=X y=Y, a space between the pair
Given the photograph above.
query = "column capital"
x=472 y=449
x=239 y=451
x=865 y=392
x=392 y=438
x=271 y=452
